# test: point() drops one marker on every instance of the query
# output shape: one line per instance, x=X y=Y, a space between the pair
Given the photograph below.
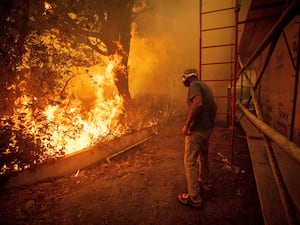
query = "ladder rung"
x=217 y=46
x=218 y=28
x=214 y=63
x=217 y=10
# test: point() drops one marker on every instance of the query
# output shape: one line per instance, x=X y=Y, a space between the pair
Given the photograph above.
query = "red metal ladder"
x=218 y=61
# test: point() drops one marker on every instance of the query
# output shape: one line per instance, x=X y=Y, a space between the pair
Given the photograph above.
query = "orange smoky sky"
x=165 y=41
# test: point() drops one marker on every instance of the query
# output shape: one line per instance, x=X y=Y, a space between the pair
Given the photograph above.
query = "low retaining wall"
x=82 y=159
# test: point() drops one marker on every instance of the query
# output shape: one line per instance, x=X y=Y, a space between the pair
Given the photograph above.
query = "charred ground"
x=140 y=187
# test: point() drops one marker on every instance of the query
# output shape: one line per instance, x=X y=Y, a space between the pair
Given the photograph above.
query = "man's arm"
x=193 y=111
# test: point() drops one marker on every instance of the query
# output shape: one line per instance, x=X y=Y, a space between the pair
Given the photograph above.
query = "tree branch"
x=81 y=33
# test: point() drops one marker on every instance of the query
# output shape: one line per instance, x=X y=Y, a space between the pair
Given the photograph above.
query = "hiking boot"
x=186 y=200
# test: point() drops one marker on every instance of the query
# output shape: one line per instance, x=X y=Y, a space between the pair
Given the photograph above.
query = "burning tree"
x=44 y=48
x=104 y=26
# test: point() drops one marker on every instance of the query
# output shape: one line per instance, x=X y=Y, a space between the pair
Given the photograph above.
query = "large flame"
x=64 y=127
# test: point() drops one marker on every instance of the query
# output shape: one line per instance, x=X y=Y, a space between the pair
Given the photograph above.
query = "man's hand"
x=186 y=129
x=193 y=111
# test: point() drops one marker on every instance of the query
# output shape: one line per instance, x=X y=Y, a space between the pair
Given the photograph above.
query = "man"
x=197 y=130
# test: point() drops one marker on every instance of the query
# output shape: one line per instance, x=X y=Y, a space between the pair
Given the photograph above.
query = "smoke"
x=165 y=41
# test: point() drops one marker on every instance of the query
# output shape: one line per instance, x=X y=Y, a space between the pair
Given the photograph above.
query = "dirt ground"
x=140 y=187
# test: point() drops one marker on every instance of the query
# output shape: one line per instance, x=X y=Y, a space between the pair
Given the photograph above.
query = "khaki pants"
x=196 y=144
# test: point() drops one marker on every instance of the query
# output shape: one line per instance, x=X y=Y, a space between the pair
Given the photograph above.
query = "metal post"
x=200 y=40
x=295 y=88
x=233 y=83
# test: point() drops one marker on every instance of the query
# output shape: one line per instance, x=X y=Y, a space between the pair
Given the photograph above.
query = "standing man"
x=197 y=130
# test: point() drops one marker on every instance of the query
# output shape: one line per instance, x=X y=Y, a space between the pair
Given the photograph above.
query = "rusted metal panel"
x=256 y=29
x=277 y=85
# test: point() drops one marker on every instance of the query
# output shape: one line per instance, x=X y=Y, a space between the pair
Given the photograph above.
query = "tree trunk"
x=117 y=36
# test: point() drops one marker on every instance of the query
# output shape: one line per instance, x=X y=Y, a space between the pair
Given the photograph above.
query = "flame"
x=64 y=127
x=47 y=6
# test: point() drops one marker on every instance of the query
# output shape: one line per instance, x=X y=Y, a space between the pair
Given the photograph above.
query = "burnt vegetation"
x=39 y=42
